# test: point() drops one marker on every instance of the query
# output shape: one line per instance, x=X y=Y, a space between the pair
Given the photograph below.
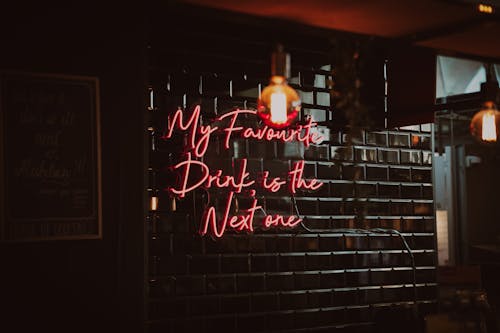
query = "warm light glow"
x=489 y=132
x=279 y=104
x=278 y=108
x=485 y=124
x=415 y=140
x=154 y=203
x=173 y=205
x=487 y=9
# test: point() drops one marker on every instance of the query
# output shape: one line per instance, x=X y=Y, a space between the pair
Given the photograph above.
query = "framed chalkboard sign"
x=50 y=157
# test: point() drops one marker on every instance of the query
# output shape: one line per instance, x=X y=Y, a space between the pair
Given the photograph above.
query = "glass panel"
x=457 y=76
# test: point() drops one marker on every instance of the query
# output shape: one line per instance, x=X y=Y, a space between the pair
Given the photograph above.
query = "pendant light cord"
x=357 y=231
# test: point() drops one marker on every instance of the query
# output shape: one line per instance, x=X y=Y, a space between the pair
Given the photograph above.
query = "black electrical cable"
x=371 y=231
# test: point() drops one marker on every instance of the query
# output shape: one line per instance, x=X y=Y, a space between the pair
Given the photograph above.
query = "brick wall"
x=316 y=277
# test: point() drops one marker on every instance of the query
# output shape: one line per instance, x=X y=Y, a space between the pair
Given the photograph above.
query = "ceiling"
x=450 y=26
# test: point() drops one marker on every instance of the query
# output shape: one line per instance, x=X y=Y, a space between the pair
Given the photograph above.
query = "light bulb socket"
x=485 y=124
x=280 y=62
x=489 y=105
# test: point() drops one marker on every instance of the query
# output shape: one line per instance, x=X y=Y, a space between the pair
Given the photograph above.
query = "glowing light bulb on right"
x=279 y=104
x=485 y=124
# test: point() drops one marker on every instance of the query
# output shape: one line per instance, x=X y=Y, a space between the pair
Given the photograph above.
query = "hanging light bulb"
x=485 y=124
x=279 y=104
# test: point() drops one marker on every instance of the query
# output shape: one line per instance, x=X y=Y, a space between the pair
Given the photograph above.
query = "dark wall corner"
x=84 y=285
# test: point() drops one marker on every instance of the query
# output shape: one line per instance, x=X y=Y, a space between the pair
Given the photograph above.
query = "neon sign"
x=198 y=139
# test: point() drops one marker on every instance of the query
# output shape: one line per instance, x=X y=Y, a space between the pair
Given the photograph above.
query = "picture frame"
x=50 y=157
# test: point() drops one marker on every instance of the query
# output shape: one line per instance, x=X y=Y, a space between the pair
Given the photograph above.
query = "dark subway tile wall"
x=315 y=277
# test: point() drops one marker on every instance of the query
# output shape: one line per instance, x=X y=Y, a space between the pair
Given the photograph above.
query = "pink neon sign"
x=196 y=147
